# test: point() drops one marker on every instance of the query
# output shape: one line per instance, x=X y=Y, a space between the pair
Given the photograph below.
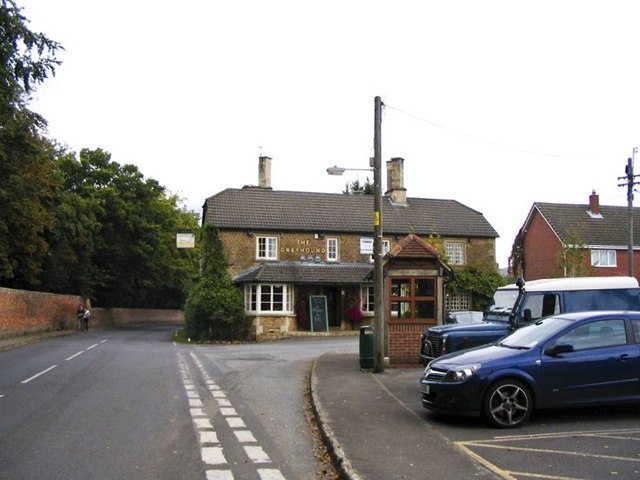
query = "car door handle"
x=624 y=357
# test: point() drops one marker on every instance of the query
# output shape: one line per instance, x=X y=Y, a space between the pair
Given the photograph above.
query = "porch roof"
x=308 y=273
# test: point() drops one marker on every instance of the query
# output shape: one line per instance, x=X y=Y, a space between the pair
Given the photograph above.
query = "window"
x=265 y=298
x=413 y=298
x=332 y=249
x=454 y=252
x=458 y=301
x=603 y=333
x=367 y=298
x=603 y=258
x=537 y=306
x=386 y=246
x=266 y=248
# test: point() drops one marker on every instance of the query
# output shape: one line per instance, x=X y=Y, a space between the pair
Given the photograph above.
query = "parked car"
x=521 y=303
x=463 y=317
x=571 y=359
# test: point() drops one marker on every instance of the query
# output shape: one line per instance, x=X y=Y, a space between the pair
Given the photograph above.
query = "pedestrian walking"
x=80 y=316
x=85 y=319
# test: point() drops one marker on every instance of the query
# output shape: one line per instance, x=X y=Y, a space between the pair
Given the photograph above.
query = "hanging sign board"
x=318 y=310
x=366 y=245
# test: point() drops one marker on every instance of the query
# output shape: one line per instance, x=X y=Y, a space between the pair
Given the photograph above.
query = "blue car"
x=586 y=358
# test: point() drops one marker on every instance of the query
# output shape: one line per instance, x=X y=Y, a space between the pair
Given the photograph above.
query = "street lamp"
x=378 y=280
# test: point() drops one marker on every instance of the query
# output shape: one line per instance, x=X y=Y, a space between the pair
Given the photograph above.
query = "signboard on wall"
x=185 y=240
x=318 y=310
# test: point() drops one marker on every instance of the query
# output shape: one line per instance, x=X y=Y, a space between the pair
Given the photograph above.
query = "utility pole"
x=630 y=182
x=378 y=274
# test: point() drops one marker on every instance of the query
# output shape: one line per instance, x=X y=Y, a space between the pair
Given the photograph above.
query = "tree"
x=118 y=229
x=479 y=280
x=573 y=258
x=26 y=162
x=356 y=187
x=214 y=308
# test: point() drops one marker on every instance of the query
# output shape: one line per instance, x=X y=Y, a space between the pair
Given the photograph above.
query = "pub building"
x=288 y=250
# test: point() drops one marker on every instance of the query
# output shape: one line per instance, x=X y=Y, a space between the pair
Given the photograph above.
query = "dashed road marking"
x=39 y=374
x=211 y=449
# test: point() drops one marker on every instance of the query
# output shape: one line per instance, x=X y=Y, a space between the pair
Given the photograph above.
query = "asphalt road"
x=131 y=404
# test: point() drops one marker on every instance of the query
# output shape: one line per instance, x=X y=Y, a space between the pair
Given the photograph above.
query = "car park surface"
x=567 y=360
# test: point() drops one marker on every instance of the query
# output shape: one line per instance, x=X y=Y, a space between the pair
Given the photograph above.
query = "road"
x=115 y=404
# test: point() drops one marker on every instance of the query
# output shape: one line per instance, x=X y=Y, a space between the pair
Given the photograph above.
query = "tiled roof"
x=264 y=209
x=569 y=220
x=308 y=273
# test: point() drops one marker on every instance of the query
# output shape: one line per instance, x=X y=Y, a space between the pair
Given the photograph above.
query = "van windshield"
x=502 y=304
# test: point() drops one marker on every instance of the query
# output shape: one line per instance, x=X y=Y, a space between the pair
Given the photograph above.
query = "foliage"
x=26 y=58
x=353 y=312
x=516 y=259
x=356 y=187
x=573 y=258
x=479 y=280
x=214 y=308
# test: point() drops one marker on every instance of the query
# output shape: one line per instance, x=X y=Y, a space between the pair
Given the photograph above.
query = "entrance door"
x=333 y=306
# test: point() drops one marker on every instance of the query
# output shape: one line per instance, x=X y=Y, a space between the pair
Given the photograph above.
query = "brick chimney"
x=395 y=181
x=594 y=203
x=264 y=172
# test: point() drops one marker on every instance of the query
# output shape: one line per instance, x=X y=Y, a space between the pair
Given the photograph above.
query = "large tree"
x=125 y=228
x=26 y=157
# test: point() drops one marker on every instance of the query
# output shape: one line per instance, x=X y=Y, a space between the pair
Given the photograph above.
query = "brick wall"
x=404 y=343
x=23 y=311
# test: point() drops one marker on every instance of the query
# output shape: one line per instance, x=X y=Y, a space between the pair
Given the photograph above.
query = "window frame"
x=457 y=256
x=254 y=294
x=610 y=255
x=336 y=256
x=270 y=243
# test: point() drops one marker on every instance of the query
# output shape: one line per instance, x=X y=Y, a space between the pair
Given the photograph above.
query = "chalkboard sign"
x=318 y=309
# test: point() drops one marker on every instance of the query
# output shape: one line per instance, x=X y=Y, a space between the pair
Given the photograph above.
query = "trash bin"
x=367 y=346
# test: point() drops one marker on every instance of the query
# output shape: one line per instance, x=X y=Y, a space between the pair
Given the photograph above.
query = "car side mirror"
x=559 y=349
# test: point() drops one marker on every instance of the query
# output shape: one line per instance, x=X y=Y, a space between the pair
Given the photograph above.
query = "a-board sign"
x=318 y=309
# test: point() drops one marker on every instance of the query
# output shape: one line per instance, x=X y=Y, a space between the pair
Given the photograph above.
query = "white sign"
x=185 y=240
x=366 y=245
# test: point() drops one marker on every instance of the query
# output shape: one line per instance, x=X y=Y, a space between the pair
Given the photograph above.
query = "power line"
x=485 y=140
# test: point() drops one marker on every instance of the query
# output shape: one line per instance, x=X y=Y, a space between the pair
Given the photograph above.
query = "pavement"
x=372 y=433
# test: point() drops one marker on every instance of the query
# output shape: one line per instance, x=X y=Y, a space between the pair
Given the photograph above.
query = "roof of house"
x=308 y=273
x=610 y=228
x=258 y=208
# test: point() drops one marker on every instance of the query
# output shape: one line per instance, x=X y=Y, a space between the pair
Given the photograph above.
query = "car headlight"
x=443 y=348
x=461 y=373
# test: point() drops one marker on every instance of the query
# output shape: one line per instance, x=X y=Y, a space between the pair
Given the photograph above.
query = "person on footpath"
x=80 y=316
x=85 y=319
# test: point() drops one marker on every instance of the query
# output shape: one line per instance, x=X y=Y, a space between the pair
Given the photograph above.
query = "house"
x=567 y=240
x=289 y=250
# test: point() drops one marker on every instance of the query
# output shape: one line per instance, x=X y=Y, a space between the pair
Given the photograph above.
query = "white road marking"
x=257 y=454
x=236 y=422
x=38 y=374
x=219 y=475
x=197 y=412
x=203 y=423
x=270 y=474
x=244 y=436
x=208 y=437
x=218 y=394
x=93 y=346
x=228 y=412
x=192 y=394
x=195 y=402
x=213 y=455
x=75 y=355
x=223 y=402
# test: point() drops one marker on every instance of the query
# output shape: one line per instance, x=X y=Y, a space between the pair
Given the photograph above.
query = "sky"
x=495 y=104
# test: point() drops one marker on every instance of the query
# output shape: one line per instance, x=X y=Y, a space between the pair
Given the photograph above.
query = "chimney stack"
x=395 y=181
x=264 y=172
x=594 y=203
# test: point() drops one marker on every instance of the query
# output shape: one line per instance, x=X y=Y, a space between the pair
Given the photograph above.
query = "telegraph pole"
x=630 y=182
x=378 y=274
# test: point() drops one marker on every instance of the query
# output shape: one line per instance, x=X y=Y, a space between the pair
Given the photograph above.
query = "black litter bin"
x=367 y=346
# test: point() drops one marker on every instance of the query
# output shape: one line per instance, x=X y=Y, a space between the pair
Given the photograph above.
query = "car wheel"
x=508 y=404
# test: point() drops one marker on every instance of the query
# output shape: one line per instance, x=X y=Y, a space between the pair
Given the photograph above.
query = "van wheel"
x=508 y=404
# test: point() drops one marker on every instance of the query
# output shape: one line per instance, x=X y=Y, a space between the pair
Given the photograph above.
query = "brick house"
x=286 y=247
x=602 y=233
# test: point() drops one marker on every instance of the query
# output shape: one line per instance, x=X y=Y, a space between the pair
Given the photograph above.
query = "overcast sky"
x=495 y=104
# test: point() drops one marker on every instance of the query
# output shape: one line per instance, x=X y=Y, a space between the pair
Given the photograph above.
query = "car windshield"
x=504 y=299
x=534 y=334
